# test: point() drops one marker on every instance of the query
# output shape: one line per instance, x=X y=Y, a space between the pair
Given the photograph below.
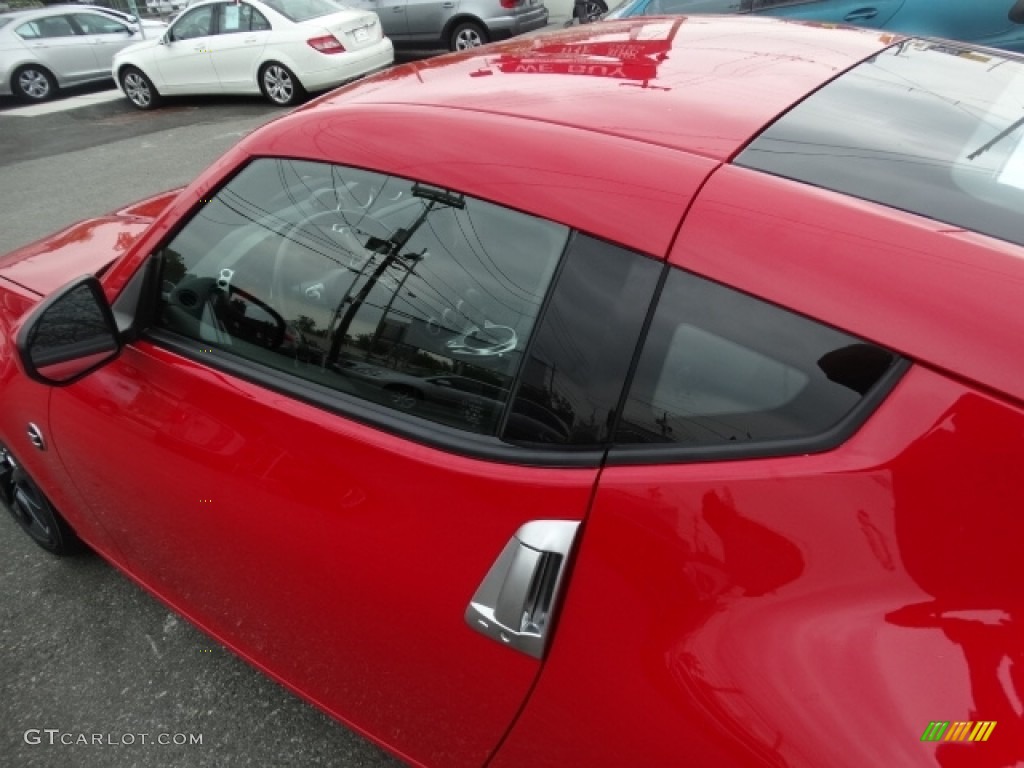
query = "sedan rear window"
x=303 y=10
x=939 y=132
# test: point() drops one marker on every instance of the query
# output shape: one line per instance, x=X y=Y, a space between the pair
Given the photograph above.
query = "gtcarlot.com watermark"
x=55 y=736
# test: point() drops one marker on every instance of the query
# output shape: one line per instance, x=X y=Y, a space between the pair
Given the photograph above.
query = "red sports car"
x=735 y=471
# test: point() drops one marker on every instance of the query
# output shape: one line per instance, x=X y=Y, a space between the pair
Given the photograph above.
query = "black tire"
x=280 y=85
x=596 y=9
x=592 y=10
x=33 y=83
x=138 y=88
x=35 y=514
x=466 y=35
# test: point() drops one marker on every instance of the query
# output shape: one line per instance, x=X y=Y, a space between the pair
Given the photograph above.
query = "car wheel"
x=33 y=83
x=34 y=512
x=279 y=85
x=595 y=9
x=139 y=89
x=468 y=34
x=405 y=398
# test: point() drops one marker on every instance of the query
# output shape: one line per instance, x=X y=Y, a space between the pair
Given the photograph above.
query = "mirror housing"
x=68 y=335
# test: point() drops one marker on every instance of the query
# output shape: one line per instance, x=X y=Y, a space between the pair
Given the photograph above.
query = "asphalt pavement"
x=96 y=673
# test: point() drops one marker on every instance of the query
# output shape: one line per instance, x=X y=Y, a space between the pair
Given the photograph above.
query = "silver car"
x=46 y=49
x=454 y=24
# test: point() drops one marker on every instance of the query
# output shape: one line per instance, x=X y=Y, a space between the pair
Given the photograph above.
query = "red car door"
x=260 y=471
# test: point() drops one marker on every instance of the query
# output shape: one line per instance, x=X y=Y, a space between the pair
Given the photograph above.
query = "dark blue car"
x=998 y=23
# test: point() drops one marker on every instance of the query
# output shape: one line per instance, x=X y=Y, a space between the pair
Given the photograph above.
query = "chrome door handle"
x=861 y=14
x=517 y=598
x=447 y=5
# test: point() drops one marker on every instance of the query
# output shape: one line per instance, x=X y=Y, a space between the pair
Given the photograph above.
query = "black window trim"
x=832 y=438
x=402 y=424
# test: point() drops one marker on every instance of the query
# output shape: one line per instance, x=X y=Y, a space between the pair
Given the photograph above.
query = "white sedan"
x=281 y=48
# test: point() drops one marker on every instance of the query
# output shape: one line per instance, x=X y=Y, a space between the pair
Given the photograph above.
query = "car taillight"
x=327 y=44
x=509 y=3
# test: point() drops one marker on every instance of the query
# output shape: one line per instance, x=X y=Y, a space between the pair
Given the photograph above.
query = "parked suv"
x=454 y=24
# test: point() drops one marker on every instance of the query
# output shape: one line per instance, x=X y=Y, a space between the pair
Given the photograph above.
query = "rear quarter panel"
x=800 y=611
x=815 y=610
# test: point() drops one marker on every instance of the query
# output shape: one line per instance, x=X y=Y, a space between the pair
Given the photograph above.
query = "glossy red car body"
x=819 y=608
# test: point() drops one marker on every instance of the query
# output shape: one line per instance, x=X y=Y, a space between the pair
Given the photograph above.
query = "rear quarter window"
x=724 y=371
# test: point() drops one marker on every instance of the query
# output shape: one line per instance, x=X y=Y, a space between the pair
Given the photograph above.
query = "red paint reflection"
x=955 y=537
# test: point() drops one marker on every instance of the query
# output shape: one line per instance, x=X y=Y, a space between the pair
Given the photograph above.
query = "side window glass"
x=416 y=298
x=94 y=24
x=577 y=366
x=253 y=20
x=721 y=368
x=234 y=17
x=195 y=23
x=52 y=26
x=29 y=31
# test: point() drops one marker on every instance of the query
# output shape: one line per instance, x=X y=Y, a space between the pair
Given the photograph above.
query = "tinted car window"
x=241 y=18
x=94 y=24
x=939 y=132
x=52 y=26
x=413 y=297
x=195 y=23
x=722 y=368
x=577 y=365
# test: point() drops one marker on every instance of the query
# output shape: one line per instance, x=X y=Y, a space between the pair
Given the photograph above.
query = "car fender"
x=141 y=60
x=454 y=21
x=281 y=57
x=27 y=58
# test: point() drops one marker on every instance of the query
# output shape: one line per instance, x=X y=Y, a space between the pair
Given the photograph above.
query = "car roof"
x=52 y=10
x=702 y=84
x=665 y=101
x=28 y=13
x=80 y=7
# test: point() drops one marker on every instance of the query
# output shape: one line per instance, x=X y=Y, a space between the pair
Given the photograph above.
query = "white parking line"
x=63 y=105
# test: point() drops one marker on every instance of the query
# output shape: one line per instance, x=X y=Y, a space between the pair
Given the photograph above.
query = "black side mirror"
x=69 y=335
